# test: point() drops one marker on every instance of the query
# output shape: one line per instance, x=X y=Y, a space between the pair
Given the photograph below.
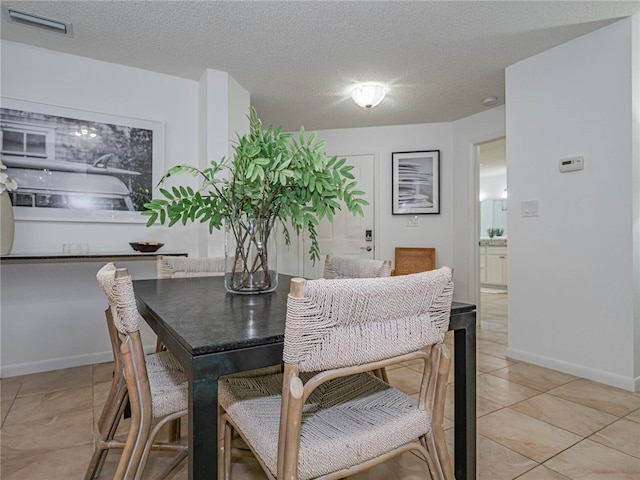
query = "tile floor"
x=533 y=423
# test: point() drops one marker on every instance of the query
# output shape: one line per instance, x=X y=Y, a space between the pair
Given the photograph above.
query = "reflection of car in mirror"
x=54 y=184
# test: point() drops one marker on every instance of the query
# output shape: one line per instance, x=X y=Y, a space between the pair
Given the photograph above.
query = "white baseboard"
x=40 y=366
x=627 y=383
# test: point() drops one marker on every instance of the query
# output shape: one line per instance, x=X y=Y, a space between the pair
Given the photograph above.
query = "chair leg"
x=225 y=432
x=150 y=444
x=106 y=429
x=174 y=430
x=381 y=373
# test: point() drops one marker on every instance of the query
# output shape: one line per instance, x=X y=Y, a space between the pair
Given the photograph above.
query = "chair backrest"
x=348 y=267
x=347 y=322
x=174 y=267
x=118 y=287
x=414 y=260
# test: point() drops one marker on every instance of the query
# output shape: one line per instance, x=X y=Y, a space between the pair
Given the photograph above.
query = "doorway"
x=347 y=235
x=492 y=231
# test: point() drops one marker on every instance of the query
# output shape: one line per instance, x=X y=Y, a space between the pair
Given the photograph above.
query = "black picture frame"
x=415 y=178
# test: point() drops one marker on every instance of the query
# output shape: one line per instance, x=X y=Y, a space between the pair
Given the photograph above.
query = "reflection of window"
x=76 y=202
x=24 y=141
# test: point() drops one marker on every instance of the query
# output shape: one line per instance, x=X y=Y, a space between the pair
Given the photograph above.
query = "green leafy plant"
x=495 y=232
x=272 y=176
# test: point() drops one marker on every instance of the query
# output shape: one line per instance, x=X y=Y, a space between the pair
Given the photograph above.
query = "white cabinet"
x=493 y=265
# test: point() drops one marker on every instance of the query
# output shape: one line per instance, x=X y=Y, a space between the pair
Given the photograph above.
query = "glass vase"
x=251 y=251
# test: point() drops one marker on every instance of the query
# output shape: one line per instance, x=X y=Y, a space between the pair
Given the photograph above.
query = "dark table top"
x=205 y=318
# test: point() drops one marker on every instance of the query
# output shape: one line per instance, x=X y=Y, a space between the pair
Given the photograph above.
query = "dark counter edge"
x=89 y=257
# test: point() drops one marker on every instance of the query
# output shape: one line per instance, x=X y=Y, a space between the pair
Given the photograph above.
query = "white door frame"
x=475 y=219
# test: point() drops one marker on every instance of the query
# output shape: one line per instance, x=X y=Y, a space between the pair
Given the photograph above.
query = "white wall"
x=39 y=75
x=492 y=186
x=71 y=330
x=391 y=230
x=51 y=315
x=588 y=321
x=468 y=132
x=573 y=275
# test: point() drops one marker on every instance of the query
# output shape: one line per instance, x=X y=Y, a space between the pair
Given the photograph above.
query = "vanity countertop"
x=496 y=242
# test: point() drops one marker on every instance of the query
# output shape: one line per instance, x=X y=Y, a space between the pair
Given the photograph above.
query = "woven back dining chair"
x=351 y=267
x=176 y=267
x=413 y=260
x=154 y=386
x=326 y=416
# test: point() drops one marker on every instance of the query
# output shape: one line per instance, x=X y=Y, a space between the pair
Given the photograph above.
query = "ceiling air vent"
x=35 y=21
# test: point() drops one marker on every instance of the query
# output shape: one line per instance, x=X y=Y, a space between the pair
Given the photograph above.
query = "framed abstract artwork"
x=415 y=182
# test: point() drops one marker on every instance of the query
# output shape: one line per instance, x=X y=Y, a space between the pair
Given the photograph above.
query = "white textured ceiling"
x=299 y=58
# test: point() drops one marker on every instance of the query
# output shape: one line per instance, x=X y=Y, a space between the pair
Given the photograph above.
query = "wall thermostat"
x=571 y=164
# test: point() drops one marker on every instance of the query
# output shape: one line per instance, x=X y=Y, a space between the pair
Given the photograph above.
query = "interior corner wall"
x=46 y=323
x=635 y=131
x=44 y=76
x=571 y=282
x=468 y=132
x=392 y=230
x=223 y=108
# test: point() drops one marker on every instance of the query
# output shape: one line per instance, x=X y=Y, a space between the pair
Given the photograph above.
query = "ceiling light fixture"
x=42 y=23
x=368 y=95
x=489 y=101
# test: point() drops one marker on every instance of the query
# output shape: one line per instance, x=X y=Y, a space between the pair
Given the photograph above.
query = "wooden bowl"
x=145 y=247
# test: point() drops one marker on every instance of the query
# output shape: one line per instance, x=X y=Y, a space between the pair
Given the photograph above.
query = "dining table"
x=213 y=333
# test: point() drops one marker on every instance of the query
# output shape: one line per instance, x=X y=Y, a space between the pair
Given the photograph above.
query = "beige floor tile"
x=623 y=435
x=567 y=415
x=57 y=432
x=9 y=388
x=405 y=379
x=246 y=469
x=634 y=416
x=48 y=405
x=404 y=467
x=491 y=348
x=102 y=372
x=489 y=363
x=526 y=435
x=601 y=397
x=100 y=393
x=492 y=336
x=494 y=324
x=589 y=460
x=157 y=462
x=56 y=380
x=57 y=464
x=542 y=473
x=407 y=466
x=533 y=376
x=5 y=406
x=497 y=462
x=483 y=406
x=417 y=365
x=502 y=391
x=60 y=405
